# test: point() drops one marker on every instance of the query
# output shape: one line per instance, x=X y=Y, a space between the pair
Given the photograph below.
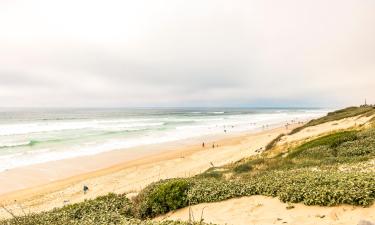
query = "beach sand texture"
x=262 y=210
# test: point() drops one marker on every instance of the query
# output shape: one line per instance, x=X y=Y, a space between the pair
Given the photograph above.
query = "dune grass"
x=273 y=143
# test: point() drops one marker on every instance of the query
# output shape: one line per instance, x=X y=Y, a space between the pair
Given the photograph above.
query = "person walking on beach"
x=203 y=145
x=85 y=189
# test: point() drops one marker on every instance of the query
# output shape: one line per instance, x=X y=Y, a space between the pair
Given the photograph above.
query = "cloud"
x=179 y=53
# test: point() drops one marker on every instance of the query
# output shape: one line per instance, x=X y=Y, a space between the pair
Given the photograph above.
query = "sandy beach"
x=45 y=186
x=55 y=184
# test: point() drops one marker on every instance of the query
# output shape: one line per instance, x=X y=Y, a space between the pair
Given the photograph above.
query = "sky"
x=167 y=53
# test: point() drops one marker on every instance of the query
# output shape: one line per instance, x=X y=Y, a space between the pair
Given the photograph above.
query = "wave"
x=99 y=135
x=17 y=129
x=19 y=144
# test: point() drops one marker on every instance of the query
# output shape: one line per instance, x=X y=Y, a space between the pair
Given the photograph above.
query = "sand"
x=55 y=184
x=314 y=131
x=262 y=210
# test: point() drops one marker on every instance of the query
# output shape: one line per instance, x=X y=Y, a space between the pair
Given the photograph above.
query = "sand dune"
x=261 y=210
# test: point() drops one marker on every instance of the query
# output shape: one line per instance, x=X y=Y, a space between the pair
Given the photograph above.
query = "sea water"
x=31 y=136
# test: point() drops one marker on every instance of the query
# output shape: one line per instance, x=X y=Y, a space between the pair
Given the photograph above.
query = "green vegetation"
x=310 y=173
x=105 y=210
x=272 y=144
x=162 y=197
x=338 y=115
x=102 y=210
x=242 y=168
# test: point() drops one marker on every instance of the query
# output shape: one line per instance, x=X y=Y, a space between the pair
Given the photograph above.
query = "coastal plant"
x=273 y=143
x=111 y=207
x=161 y=197
x=242 y=168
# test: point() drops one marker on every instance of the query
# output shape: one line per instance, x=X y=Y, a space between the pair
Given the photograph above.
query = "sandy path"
x=263 y=210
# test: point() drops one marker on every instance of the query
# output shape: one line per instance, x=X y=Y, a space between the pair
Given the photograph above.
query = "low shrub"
x=108 y=209
x=273 y=143
x=242 y=168
x=325 y=188
x=161 y=197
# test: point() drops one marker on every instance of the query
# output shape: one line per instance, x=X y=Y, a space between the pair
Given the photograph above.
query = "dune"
x=261 y=210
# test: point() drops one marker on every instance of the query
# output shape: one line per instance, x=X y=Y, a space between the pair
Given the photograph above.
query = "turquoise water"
x=29 y=136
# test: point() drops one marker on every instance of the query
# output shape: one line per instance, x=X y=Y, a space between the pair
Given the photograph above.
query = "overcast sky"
x=186 y=53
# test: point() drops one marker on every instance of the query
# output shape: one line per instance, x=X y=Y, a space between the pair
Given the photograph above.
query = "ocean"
x=31 y=136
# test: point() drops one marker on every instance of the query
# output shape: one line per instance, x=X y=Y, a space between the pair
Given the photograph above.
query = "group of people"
x=213 y=145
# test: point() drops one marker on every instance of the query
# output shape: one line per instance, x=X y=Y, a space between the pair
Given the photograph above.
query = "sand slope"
x=261 y=210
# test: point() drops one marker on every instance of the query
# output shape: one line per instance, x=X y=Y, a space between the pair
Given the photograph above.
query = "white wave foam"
x=28 y=128
x=199 y=127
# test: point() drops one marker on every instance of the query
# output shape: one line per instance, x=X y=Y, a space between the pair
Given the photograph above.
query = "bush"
x=108 y=209
x=162 y=197
x=242 y=168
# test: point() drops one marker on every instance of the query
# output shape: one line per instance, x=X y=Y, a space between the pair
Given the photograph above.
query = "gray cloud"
x=171 y=53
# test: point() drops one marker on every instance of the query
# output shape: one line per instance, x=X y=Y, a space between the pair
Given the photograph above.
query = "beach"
x=45 y=186
x=42 y=187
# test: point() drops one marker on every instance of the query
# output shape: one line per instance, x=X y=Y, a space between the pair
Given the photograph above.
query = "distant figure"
x=213 y=145
x=85 y=189
x=217 y=145
x=203 y=145
x=225 y=131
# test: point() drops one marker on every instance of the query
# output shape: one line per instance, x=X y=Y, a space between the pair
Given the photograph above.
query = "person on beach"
x=213 y=145
x=203 y=145
x=85 y=189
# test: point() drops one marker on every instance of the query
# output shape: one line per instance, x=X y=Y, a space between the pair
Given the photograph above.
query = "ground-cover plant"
x=213 y=172
x=161 y=197
x=242 y=168
x=111 y=209
x=102 y=210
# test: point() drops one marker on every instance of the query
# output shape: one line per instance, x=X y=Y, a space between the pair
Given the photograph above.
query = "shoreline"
x=58 y=170
x=177 y=159
x=14 y=180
